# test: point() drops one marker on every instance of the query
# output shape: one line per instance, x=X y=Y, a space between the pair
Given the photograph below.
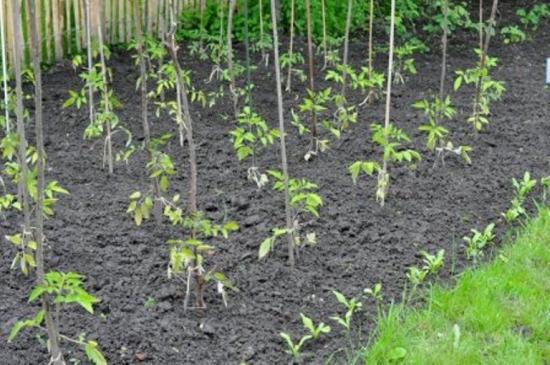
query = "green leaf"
x=94 y=354
x=37 y=292
x=397 y=353
x=457 y=83
x=135 y=195
x=265 y=247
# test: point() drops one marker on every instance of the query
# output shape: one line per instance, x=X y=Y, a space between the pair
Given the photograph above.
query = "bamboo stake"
x=106 y=102
x=325 y=48
x=290 y=49
x=346 y=48
x=4 y=69
x=444 y=49
x=128 y=17
x=89 y=47
x=233 y=85
x=9 y=31
x=57 y=30
x=289 y=229
x=68 y=29
x=260 y=7
x=311 y=73
x=371 y=95
x=53 y=334
x=157 y=209
x=383 y=175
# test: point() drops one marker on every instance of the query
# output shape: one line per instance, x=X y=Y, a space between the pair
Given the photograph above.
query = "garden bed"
x=359 y=243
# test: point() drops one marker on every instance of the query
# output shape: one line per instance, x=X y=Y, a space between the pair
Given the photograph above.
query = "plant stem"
x=346 y=48
x=106 y=102
x=53 y=335
x=261 y=11
x=22 y=185
x=183 y=105
x=157 y=208
x=90 y=59
x=324 y=20
x=288 y=212
x=388 y=93
x=484 y=48
x=247 y=51
x=311 y=71
x=5 y=70
x=445 y=5
x=291 y=45
x=371 y=93
x=233 y=85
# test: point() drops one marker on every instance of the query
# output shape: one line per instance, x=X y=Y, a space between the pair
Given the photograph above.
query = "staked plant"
x=280 y=114
x=105 y=123
x=435 y=111
x=62 y=289
x=187 y=255
x=290 y=61
x=303 y=200
x=390 y=140
x=490 y=90
x=250 y=136
x=405 y=64
x=478 y=242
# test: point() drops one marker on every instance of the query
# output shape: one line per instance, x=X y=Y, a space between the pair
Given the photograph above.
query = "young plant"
x=533 y=18
x=61 y=289
x=303 y=200
x=294 y=349
x=435 y=110
x=315 y=331
x=351 y=305
x=417 y=276
x=489 y=90
x=280 y=114
x=522 y=188
x=105 y=123
x=252 y=135
x=513 y=34
x=187 y=255
x=289 y=61
x=478 y=242
x=405 y=63
x=390 y=139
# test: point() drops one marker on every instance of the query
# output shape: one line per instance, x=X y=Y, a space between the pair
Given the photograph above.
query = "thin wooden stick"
x=346 y=48
x=4 y=69
x=288 y=213
x=51 y=328
x=230 y=66
x=290 y=48
x=384 y=173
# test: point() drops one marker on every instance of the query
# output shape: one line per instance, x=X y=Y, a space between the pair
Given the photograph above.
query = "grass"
x=498 y=313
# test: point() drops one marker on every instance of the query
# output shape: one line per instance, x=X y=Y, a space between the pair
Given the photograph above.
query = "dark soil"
x=359 y=243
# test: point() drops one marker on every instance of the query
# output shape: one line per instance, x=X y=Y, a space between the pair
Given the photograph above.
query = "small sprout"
x=478 y=241
x=294 y=349
x=352 y=305
x=315 y=331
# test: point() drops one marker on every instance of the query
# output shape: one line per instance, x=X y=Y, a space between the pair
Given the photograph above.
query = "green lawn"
x=498 y=313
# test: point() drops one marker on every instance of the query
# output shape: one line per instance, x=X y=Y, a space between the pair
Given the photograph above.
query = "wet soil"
x=359 y=243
